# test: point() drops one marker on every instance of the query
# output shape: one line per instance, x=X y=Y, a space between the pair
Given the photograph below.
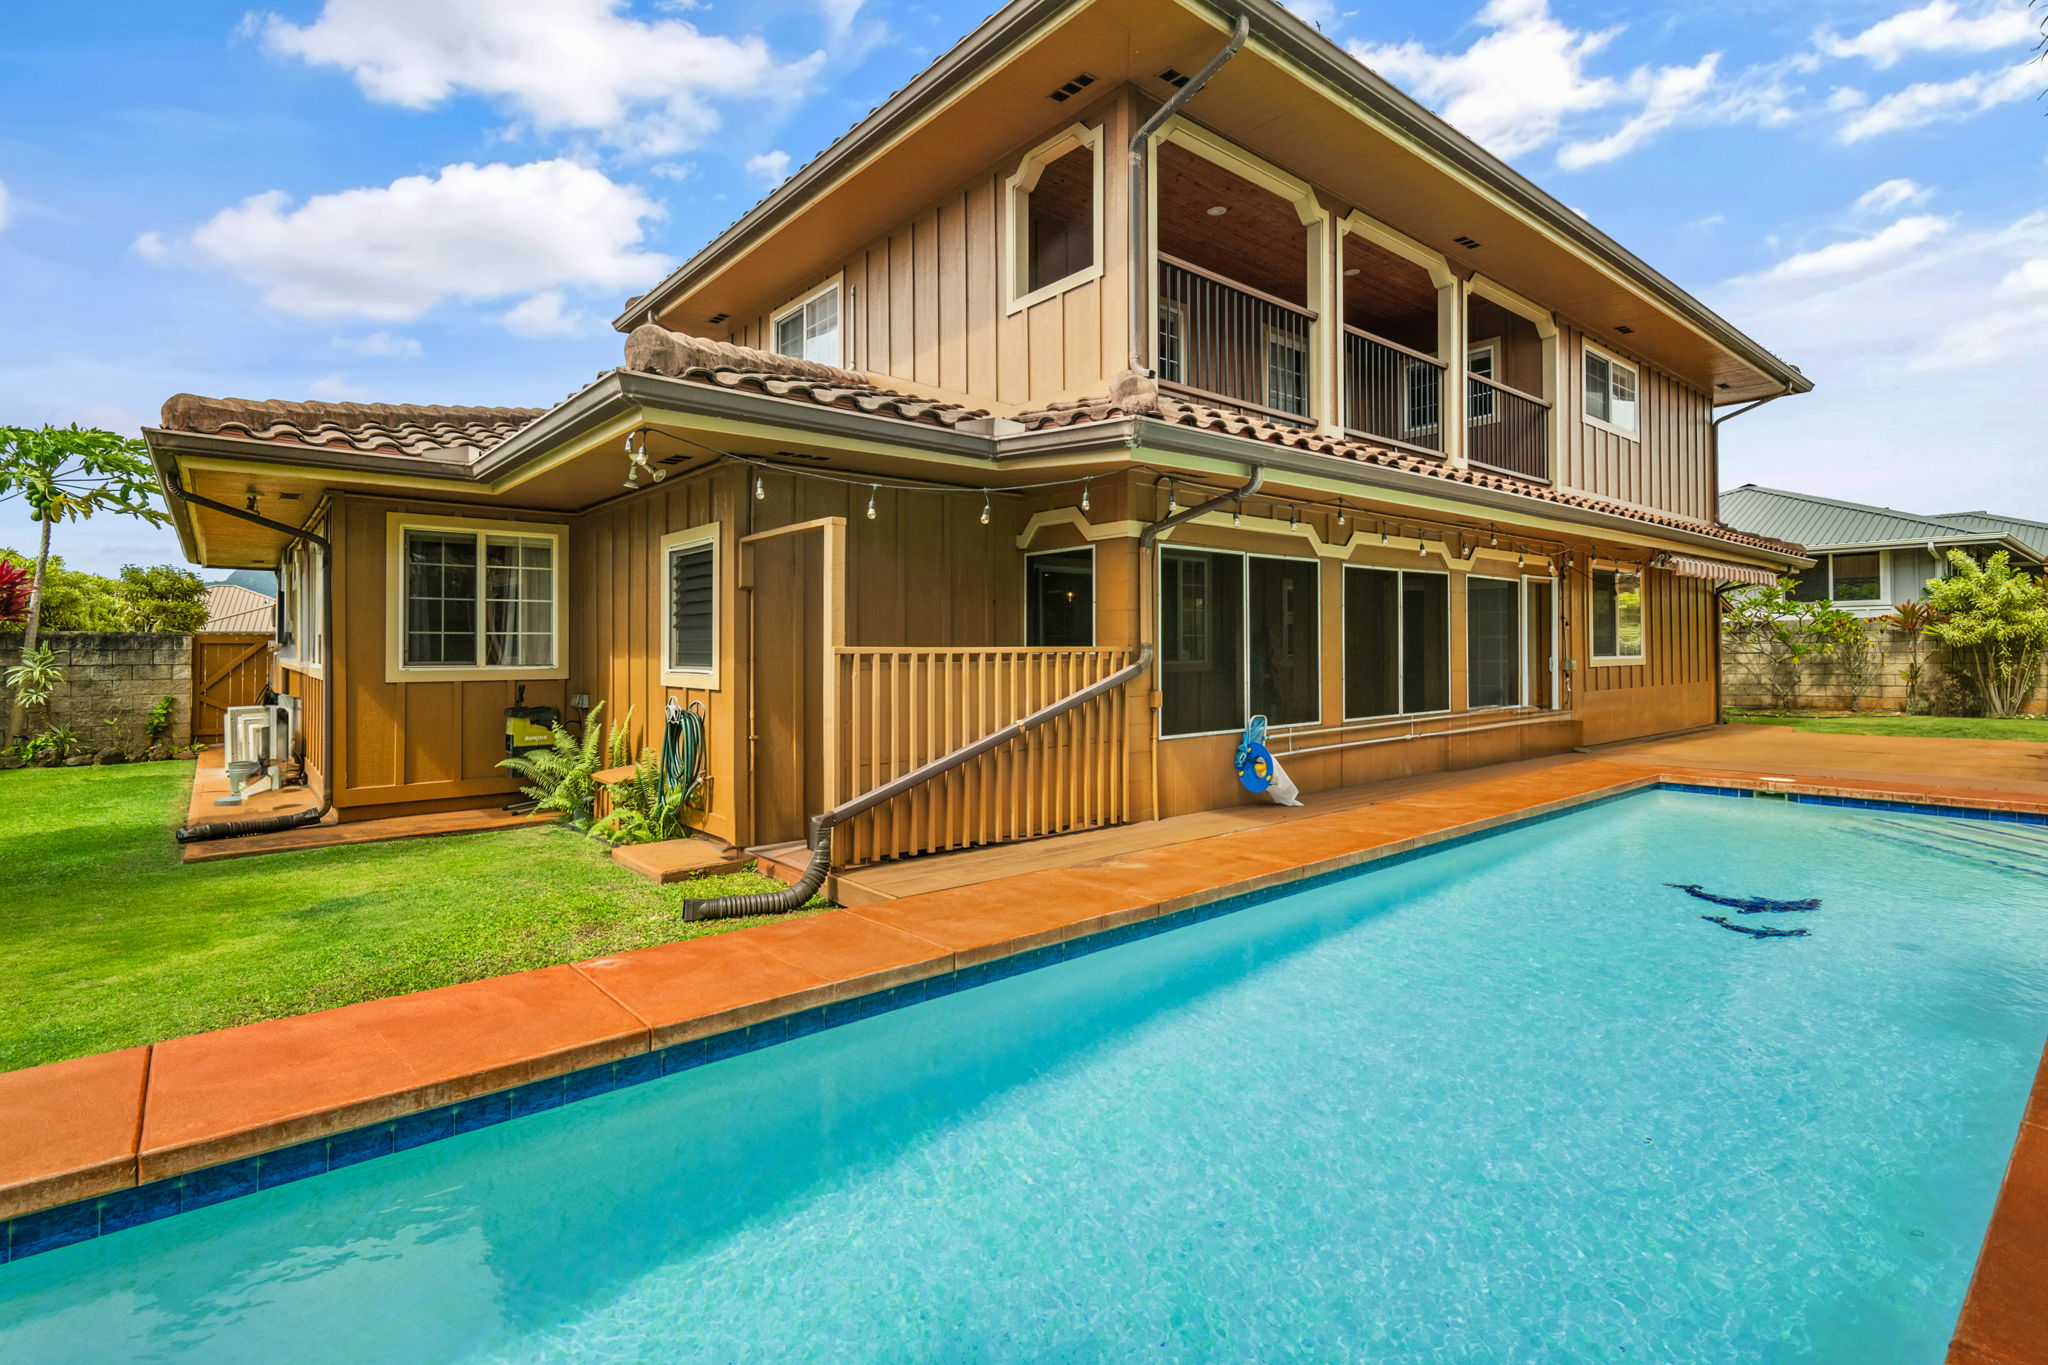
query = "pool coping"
x=144 y=1133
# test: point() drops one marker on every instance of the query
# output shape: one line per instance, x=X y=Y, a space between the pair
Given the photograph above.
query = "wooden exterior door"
x=797 y=577
x=227 y=670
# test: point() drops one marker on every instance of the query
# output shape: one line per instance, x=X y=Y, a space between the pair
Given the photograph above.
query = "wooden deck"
x=210 y=780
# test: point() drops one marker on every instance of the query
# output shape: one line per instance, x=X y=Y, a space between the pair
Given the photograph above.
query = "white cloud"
x=559 y=65
x=1938 y=26
x=1938 y=101
x=392 y=252
x=1928 y=392
x=1530 y=82
x=151 y=246
x=335 y=388
x=543 y=315
x=1892 y=194
x=770 y=168
x=385 y=345
x=1862 y=253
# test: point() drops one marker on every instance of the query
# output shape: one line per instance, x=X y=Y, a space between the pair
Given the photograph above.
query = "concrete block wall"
x=1745 y=678
x=111 y=675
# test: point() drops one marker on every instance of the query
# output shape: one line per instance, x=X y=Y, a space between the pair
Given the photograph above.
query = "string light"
x=1084 y=495
x=984 y=509
x=1341 y=514
x=1237 y=513
x=1383 y=533
x=1294 y=518
x=760 y=488
x=871 y=500
x=1172 y=497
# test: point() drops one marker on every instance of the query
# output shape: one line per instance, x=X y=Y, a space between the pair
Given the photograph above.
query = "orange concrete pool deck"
x=100 y=1124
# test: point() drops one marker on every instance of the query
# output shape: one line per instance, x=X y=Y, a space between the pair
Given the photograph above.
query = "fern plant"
x=563 y=777
x=641 y=813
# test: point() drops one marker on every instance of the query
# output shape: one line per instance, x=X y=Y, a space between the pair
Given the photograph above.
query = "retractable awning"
x=1685 y=566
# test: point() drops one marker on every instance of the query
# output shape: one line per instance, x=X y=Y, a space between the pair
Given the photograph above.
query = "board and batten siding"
x=1669 y=467
x=927 y=308
x=1673 y=688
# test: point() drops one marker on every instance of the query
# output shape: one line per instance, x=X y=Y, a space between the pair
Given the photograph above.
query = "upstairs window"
x=1617 y=615
x=1055 y=217
x=1480 y=363
x=809 y=328
x=1610 y=392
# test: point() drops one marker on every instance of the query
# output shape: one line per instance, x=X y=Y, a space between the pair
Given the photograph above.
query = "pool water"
x=1514 y=1101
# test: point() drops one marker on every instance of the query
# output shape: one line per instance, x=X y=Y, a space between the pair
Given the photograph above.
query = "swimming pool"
x=1514 y=1100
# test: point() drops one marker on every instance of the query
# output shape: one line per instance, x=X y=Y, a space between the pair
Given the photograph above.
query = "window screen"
x=1425 y=642
x=1286 y=371
x=440 y=598
x=692 y=587
x=1372 y=642
x=1610 y=391
x=1059 y=599
x=1201 y=637
x=1617 y=615
x=1483 y=400
x=1857 y=578
x=810 y=331
x=1285 y=658
x=1493 y=662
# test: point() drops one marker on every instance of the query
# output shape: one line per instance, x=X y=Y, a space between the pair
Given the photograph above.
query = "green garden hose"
x=682 y=751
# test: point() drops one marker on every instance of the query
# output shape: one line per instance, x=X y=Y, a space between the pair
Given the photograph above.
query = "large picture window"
x=1842 y=578
x=1055 y=217
x=478 y=599
x=1617 y=615
x=1059 y=599
x=1493 y=642
x=1397 y=642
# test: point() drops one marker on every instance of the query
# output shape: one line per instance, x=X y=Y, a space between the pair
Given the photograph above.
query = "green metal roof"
x=1818 y=523
x=2032 y=534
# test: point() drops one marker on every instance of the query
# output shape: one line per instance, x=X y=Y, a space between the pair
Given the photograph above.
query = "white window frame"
x=672 y=673
x=1400 y=648
x=1017 y=205
x=396 y=670
x=1628 y=433
x=1521 y=641
x=1642 y=577
x=1490 y=348
x=1178 y=311
x=1244 y=681
x=299 y=587
x=797 y=305
x=1094 y=601
x=1409 y=426
x=1271 y=338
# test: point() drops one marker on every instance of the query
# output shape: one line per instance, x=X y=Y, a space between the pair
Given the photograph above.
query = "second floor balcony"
x=1238 y=324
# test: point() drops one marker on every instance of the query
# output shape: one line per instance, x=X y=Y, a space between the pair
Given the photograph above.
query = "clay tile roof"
x=1142 y=399
x=372 y=428
x=656 y=350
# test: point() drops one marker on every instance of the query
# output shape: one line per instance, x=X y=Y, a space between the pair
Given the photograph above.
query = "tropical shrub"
x=71 y=600
x=1911 y=620
x=641 y=812
x=1788 y=635
x=14 y=586
x=1992 y=624
x=158 y=726
x=55 y=743
x=34 y=680
x=563 y=777
x=161 y=598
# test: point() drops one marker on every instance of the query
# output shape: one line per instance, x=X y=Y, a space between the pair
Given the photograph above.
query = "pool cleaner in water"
x=1754 y=930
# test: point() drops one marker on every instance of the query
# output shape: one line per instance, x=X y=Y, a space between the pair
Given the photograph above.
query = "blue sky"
x=444 y=200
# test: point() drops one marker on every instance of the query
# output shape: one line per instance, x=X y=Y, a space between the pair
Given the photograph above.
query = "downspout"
x=1136 y=205
x=820 y=841
x=1721 y=592
x=273 y=824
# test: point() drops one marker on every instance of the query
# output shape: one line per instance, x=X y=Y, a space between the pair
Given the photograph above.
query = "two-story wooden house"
x=1147 y=340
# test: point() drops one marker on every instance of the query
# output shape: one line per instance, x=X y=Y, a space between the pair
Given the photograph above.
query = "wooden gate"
x=227 y=670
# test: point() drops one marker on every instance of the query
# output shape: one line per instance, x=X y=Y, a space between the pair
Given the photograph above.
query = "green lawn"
x=107 y=940
x=1926 y=727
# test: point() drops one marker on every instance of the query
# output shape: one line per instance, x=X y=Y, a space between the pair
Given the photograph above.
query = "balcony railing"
x=1392 y=393
x=1222 y=340
x=1506 y=430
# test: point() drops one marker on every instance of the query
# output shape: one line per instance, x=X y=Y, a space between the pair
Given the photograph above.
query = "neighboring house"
x=1867 y=559
x=232 y=609
x=885 y=465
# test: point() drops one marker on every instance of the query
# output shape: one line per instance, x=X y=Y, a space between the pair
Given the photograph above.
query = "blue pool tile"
x=482 y=1112
x=636 y=1069
x=767 y=1033
x=535 y=1096
x=591 y=1080
x=359 y=1144
x=683 y=1056
x=429 y=1125
x=53 y=1228
x=216 y=1183
x=139 y=1204
x=287 y=1164
x=804 y=1021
